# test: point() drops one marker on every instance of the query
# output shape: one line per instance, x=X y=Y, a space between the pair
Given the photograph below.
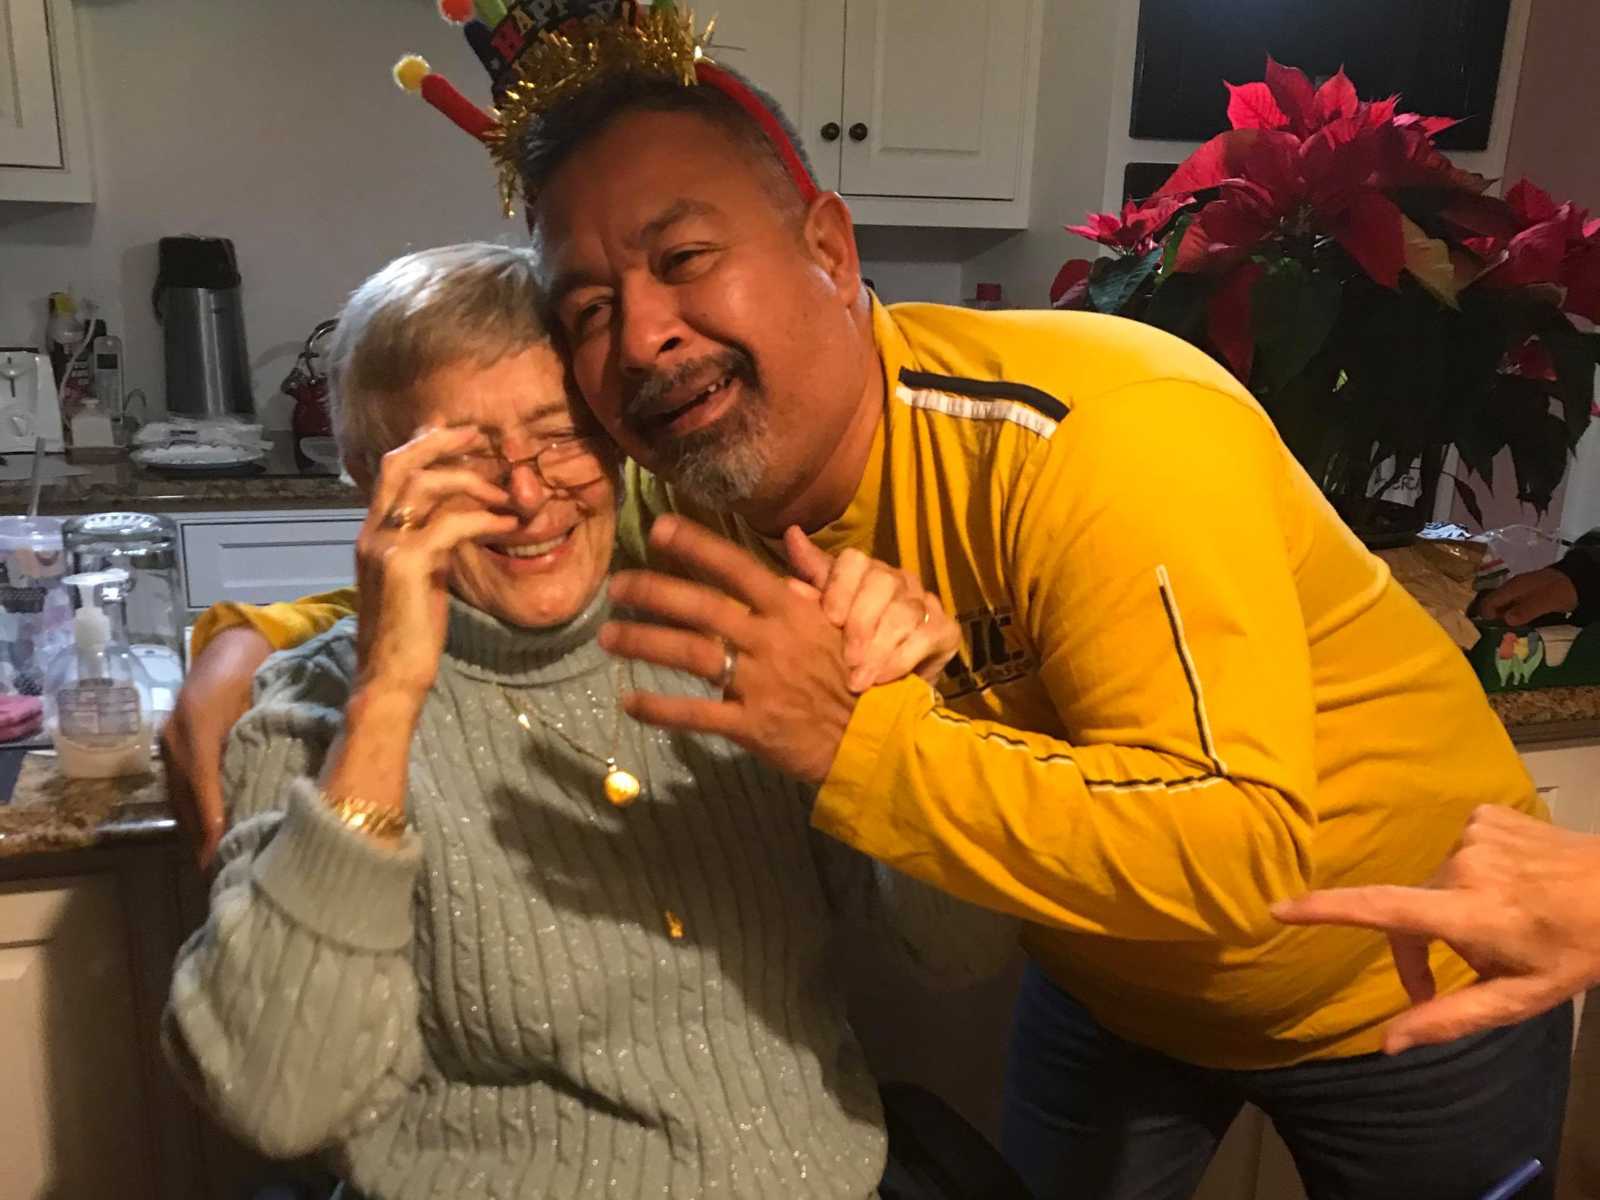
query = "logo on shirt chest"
x=992 y=653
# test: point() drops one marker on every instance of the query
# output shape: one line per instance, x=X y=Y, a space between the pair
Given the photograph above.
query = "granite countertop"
x=49 y=814
x=1549 y=714
x=278 y=482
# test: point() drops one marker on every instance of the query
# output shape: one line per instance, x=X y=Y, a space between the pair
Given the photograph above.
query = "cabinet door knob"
x=858 y=132
x=830 y=131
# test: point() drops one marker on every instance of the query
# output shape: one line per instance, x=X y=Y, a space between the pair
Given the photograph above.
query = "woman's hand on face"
x=403 y=553
x=893 y=626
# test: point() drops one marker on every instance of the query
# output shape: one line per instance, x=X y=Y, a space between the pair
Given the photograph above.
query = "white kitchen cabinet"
x=74 y=1116
x=1566 y=774
x=44 y=131
x=919 y=112
x=795 y=53
x=937 y=87
x=262 y=557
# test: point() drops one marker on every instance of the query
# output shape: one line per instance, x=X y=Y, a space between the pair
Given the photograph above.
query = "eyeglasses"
x=564 y=465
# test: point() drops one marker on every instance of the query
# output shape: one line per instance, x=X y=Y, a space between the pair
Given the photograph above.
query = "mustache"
x=648 y=395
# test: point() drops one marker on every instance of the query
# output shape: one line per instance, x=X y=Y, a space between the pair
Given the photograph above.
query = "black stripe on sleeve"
x=987 y=389
x=1188 y=675
x=1150 y=784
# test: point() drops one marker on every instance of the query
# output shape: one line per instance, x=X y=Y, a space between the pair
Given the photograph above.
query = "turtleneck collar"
x=485 y=647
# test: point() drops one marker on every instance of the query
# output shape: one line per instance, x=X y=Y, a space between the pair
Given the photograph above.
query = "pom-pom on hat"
x=540 y=53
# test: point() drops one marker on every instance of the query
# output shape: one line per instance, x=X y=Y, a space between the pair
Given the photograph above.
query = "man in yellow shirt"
x=1186 y=692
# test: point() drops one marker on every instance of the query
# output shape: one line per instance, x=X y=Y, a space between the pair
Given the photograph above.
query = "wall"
x=274 y=124
x=1554 y=139
x=1075 y=89
x=1556 y=143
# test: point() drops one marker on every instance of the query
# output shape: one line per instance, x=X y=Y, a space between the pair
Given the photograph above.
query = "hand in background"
x=215 y=694
x=1526 y=598
x=893 y=626
x=1519 y=900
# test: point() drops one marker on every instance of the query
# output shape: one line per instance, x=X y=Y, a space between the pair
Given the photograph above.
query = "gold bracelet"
x=377 y=820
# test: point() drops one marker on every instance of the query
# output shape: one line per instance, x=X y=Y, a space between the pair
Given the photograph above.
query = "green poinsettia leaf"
x=1469 y=498
x=1174 y=240
x=1573 y=356
x=1539 y=458
x=1295 y=311
x=1179 y=306
x=1111 y=287
x=1300 y=409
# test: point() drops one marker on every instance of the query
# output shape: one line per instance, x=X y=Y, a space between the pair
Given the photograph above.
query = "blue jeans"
x=1090 y=1116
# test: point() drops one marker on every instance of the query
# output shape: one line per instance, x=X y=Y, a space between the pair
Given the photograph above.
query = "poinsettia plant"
x=1376 y=298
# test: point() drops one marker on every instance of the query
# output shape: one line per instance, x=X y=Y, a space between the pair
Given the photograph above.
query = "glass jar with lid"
x=146 y=547
x=35 y=612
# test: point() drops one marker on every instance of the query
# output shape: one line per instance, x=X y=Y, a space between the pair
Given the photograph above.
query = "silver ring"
x=730 y=663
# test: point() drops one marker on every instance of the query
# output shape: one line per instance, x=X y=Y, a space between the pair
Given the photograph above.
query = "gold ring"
x=402 y=518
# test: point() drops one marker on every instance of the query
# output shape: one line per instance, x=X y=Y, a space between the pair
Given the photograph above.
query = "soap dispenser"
x=96 y=694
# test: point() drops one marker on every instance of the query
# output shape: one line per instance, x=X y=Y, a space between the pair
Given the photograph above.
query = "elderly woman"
x=474 y=931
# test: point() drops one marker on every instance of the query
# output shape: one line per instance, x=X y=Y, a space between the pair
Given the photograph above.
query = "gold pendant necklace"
x=621 y=787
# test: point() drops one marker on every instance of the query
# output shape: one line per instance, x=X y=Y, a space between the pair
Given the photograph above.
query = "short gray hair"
x=473 y=302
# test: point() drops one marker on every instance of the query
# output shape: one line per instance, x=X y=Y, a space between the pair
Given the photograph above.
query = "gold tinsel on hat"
x=659 y=40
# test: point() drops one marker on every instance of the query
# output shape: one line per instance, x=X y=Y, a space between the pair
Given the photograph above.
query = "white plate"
x=323 y=451
x=196 y=458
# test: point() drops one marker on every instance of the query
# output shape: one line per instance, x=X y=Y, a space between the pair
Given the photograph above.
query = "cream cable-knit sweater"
x=498 y=1007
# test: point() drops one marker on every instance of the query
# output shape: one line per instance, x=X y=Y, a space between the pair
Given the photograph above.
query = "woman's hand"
x=1517 y=900
x=403 y=552
x=1525 y=598
x=893 y=626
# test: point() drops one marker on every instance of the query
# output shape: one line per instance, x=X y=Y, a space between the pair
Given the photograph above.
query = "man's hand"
x=1526 y=598
x=215 y=695
x=789 y=698
x=893 y=626
x=1519 y=900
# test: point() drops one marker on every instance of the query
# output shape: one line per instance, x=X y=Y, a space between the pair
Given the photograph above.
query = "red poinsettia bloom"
x=1536 y=241
x=1315 y=159
x=1134 y=230
x=1531 y=361
x=1071 y=286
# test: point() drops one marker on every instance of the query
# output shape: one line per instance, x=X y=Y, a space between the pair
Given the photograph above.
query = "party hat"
x=541 y=53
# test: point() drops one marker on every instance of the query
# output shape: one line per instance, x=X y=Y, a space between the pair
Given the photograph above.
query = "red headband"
x=714 y=76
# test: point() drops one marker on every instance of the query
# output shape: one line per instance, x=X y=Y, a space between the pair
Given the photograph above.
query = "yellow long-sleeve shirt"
x=1185 y=692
